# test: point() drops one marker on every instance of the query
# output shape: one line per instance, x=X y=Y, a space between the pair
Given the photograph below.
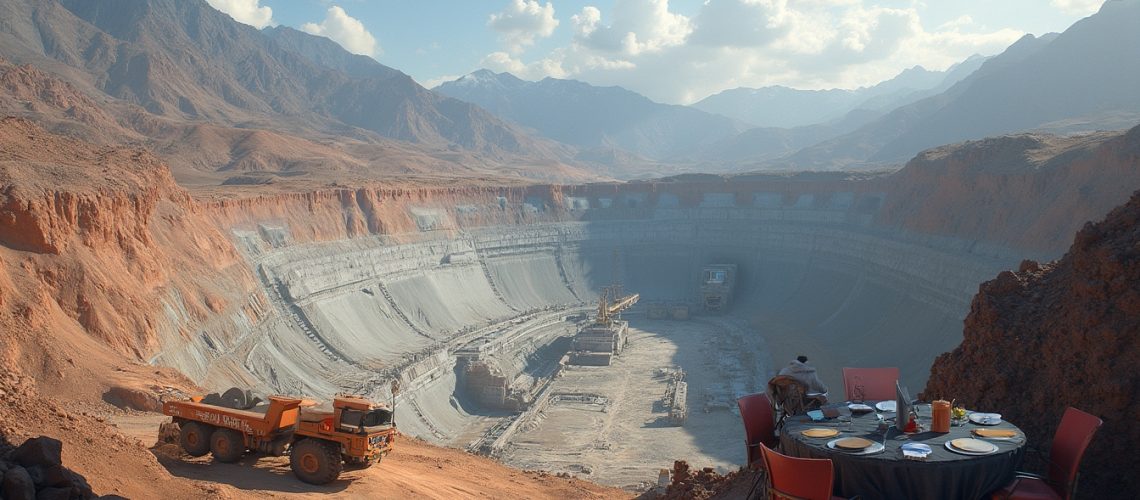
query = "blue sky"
x=676 y=52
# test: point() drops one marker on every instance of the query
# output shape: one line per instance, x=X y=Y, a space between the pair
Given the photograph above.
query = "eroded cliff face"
x=1062 y=334
x=102 y=254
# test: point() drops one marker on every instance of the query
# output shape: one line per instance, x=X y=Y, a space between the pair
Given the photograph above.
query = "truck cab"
x=364 y=429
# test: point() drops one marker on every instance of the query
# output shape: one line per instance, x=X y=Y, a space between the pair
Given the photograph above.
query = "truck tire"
x=227 y=445
x=195 y=438
x=316 y=461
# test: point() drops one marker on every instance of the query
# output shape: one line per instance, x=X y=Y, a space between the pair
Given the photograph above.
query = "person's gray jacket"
x=805 y=373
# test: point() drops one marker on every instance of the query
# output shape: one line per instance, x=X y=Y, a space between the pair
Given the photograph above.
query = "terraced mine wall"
x=493 y=275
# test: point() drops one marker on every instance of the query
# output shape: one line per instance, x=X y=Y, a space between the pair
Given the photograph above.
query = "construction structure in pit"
x=598 y=341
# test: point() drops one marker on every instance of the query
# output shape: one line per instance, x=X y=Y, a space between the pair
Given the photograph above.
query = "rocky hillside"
x=1061 y=334
x=1030 y=191
x=161 y=67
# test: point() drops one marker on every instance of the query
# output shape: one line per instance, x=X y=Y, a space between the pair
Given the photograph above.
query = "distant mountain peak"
x=589 y=116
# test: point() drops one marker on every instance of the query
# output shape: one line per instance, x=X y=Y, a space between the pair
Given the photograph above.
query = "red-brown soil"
x=1061 y=334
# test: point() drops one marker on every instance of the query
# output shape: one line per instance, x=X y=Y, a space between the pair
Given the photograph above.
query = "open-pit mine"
x=476 y=311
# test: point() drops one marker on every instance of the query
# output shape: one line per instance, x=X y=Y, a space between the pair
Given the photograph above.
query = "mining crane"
x=606 y=309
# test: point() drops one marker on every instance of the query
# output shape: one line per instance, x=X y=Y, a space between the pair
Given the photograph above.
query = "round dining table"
x=887 y=474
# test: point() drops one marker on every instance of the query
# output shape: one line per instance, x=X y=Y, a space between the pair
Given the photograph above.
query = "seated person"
x=805 y=373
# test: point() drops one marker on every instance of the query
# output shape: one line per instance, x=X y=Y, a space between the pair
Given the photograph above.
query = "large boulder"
x=39 y=451
x=34 y=471
x=18 y=485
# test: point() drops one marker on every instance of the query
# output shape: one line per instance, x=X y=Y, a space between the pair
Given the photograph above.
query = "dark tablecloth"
x=887 y=475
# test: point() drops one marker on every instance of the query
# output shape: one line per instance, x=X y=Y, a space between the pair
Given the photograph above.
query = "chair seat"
x=1026 y=489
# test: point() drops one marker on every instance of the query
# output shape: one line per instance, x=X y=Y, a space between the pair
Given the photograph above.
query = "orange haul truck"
x=355 y=432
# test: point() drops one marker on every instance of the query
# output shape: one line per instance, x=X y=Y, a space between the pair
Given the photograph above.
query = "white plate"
x=975 y=453
x=874 y=448
x=859 y=408
x=887 y=406
x=985 y=418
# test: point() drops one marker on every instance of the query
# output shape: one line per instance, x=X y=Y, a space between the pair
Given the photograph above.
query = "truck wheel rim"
x=192 y=438
x=223 y=445
x=309 y=463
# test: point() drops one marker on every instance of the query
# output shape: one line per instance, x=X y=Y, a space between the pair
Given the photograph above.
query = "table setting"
x=945 y=452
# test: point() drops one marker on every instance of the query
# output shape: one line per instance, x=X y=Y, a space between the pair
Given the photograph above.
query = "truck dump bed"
x=283 y=413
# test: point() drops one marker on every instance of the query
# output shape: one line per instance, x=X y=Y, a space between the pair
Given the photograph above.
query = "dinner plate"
x=853 y=443
x=970 y=446
x=886 y=406
x=873 y=448
x=985 y=418
x=859 y=408
x=1000 y=434
x=817 y=432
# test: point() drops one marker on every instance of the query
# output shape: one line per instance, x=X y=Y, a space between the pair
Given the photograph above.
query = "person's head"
x=801 y=358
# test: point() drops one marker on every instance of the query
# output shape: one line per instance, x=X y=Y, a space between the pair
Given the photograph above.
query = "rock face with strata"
x=1062 y=334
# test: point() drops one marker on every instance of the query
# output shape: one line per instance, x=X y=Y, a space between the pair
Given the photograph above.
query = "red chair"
x=798 y=478
x=759 y=426
x=870 y=384
x=1069 y=443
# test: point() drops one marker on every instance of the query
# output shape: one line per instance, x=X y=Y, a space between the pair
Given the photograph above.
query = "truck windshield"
x=357 y=419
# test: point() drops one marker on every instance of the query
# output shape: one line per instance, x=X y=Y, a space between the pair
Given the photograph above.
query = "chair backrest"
x=759 y=424
x=788 y=394
x=1069 y=443
x=870 y=384
x=789 y=477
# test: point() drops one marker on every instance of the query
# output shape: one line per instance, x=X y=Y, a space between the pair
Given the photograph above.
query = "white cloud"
x=522 y=21
x=868 y=34
x=741 y=23
x=346 y=30
x=246 y=12
x=1079 y=7
x=638 y=26
x=643 y=46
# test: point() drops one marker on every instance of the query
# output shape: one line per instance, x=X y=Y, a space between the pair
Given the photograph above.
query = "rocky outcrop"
x=1030 y=192
x=1062 y=334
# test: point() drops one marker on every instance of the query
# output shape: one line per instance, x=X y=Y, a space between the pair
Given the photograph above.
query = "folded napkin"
x=995 y=433
x=916 y=451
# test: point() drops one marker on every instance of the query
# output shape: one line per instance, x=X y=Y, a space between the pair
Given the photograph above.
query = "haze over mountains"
x=1079 y=81
x=583 y=115
x=226 y=103
x=780 y=106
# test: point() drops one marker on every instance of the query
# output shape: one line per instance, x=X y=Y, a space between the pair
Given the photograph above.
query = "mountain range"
x=1081 y=80
x=591 y=117
x=168 y=67
x=225 y=103
x=785 y=107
